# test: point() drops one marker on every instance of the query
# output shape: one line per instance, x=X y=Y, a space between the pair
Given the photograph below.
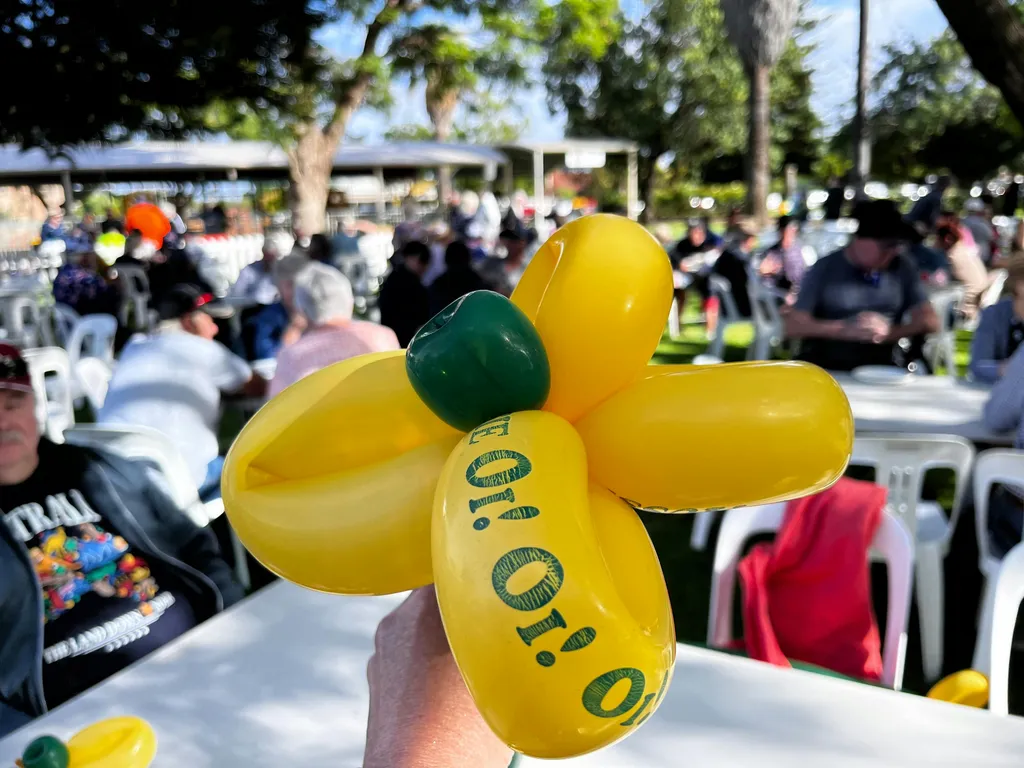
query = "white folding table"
x=923 y=404
x=280 y=680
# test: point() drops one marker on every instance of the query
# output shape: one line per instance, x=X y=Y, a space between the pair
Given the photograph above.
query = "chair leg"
x=673 y=319
x=982 y=661
x=701 y=531
x=930 y=600
x=241 y=564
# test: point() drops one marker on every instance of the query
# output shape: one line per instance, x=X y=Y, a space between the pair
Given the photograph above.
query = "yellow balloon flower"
x=551 y=593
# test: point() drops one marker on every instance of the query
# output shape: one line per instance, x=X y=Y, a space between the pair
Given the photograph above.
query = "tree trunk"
x=861 y=143
x=992 y=33
x=759 y=142
x=441 y=104
x=310 y=164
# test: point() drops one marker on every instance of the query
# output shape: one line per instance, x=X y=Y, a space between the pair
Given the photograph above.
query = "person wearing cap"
x=98 y=566
x=172 y=380
x=323 y=296
x=851 y=307
x=502 y=274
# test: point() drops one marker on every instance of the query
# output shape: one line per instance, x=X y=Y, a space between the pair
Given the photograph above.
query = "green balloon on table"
x=45 y=752
x=477 y=359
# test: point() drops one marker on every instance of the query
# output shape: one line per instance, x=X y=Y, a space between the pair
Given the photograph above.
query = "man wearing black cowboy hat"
x=857 y=303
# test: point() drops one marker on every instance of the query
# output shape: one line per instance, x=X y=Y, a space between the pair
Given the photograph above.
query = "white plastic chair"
x=940 y=347
x=22 y=320
x=136 y=297
x=1008 y=592
x=65 y=318
x=995 y=466
x=55 y=411
x=149 y=445
x=892 y=543
x=93 y=336
x=900 y=463
x=728 y=314
x=768 y=328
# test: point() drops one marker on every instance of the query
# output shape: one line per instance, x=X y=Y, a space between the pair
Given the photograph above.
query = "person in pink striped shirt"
x=324 y=297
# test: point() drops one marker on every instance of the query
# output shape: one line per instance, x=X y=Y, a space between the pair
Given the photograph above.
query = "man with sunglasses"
x=855 y=304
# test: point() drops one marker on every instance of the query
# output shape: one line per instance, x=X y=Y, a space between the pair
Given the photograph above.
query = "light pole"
x=861 y=139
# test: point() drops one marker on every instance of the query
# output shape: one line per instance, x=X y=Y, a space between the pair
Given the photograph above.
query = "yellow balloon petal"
x=686 y=438
x=968 y=688
x=551 y=593
x=118 y=742
x=330 y=485
x=598 y=292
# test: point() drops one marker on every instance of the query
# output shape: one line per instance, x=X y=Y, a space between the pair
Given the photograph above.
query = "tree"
x=106 y=69
x=935 y=112
x=451 y=66
x=992 y=33
x=482 y=119
x=760 y=30
x=669 y=82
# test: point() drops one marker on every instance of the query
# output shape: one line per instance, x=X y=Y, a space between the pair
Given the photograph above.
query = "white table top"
x=924 y=404
x=280 y=680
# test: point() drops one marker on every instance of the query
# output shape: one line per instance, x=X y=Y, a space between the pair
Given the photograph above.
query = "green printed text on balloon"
x=594 y=694
x=532 y=632
x=541 y=593
x=520 y=469
x=579 y=639
x=519 y=513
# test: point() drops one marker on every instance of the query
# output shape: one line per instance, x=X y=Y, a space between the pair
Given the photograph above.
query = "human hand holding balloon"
x=551 y=594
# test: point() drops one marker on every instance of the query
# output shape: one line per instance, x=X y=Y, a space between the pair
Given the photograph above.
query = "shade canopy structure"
x=581 y=154
x=217 y=160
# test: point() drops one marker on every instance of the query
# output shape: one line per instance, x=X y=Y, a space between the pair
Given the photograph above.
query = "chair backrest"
x=722 y=288
x=142 y=443
x=93 y=336
x=65 y=317
x=995 y=466
x=50 y=370
x=892 y=543
x=135 y=280
x=810 y=255
x=995 y=290
x=1009 y=592
x=22 y=319
x=901 y=461
x=93 y=376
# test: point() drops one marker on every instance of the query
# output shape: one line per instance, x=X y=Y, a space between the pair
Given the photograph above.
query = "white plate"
x=882 y=374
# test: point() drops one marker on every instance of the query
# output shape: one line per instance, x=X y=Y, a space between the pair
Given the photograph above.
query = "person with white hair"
x=323 y=296
x=255 y=282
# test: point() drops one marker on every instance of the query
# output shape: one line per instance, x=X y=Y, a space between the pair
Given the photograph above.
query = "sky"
x=834 y=62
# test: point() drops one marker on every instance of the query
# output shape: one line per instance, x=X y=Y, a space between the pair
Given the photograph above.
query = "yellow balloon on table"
x=119 y=742
x=549 y=588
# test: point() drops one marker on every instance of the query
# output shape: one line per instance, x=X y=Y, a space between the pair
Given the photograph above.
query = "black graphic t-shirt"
x=103 y=606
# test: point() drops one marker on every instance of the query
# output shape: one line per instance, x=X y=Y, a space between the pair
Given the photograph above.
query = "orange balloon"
x=148 y=219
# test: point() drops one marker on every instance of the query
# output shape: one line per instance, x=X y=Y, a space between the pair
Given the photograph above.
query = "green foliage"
x=103 y=69
x=936 y=112
x=672 y=82
x=832 y=166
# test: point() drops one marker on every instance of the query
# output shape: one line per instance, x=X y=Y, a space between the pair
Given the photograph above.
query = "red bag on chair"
x=807 y=595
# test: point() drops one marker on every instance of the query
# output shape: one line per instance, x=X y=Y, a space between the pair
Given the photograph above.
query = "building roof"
x=216 y=159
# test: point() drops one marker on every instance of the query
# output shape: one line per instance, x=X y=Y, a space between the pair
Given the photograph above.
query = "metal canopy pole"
x=631 y=185
x=382 y=203
x=538 y=189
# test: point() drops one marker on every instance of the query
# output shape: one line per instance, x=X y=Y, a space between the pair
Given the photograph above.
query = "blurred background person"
x=276 y=325
x=782 y=266
x=502 y=274
x=852 y=302
x=458 y=279
x=256 y=282
x=404 y=303
x=323 y=296
x=1001 y=330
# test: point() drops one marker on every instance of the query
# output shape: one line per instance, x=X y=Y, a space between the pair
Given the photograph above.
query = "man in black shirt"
x=98 y=567
x=857 y=303
x=734 y=263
